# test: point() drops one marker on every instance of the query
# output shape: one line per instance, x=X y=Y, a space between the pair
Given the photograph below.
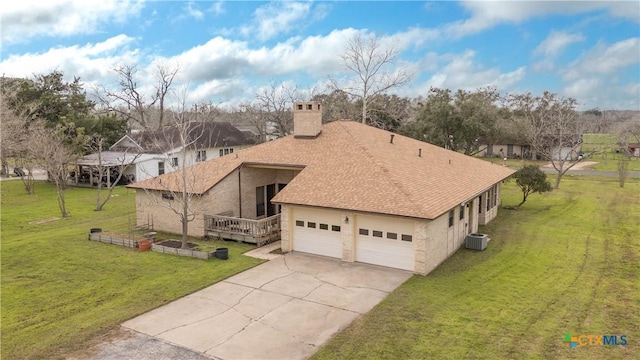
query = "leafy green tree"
x=456 y=121
x=531 y=179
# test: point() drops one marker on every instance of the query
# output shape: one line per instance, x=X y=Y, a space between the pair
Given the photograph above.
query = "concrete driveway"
x=283 y=309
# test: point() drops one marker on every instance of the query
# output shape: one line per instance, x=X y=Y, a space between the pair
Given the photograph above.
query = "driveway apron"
x=283 y=309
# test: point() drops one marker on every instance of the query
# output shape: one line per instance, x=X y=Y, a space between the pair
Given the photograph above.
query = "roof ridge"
x=384 y=169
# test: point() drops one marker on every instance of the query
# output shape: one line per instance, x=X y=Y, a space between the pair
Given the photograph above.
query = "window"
x=160 y=167
x=299 y=106
x=226 y=151
x=392 y=236
x=324 y=227
x=406 y=237
x=174 y=162
x=451 y=218
x=311 y=225
x=309 y=107
x=335 y=228
x=167 y=196
x=461 y=212
x=492 y=197
x=260 y=204
x=377 y=233
x=363 y=232
x=201 y=155
x=495 y=195
x=300 y=223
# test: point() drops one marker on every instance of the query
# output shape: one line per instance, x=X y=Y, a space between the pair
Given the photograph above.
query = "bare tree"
x=130 y=102
x=368 y=58
x=114 y=173
x=623 y=166
x=55 y=156
x=275 y=103
x=14 y=141
x=178 y=191
x=552 y=129
x=337 y=105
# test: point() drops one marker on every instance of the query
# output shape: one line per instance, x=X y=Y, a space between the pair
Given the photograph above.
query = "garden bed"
x=110 y=237
x=174 y=247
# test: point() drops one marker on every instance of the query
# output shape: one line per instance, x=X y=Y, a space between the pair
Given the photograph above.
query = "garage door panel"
x=321 y=238
x=386 y=248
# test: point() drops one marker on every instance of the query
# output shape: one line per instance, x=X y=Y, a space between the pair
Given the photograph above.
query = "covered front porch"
x=260 y=232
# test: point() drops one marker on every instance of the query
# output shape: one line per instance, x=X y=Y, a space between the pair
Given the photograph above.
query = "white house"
x=145 y=155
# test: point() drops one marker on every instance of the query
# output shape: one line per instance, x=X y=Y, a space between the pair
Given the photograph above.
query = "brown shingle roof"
x=355 y=167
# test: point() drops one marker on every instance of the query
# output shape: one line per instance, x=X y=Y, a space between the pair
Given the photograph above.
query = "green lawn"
x=609 y=163
x=566 y=262
x=60 y=290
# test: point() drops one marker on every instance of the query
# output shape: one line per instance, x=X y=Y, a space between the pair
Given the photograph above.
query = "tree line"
x=48 y=122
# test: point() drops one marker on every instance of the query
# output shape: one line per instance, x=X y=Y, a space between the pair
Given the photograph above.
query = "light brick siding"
x=254 y=177
x=285 y=228
x=434 y=235
x=347 y=232
x=152 y=209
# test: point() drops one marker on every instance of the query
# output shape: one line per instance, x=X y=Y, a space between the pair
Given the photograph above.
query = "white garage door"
x=385 y=241
x=317 y=232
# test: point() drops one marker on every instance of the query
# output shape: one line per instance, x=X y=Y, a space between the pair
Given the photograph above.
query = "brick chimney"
x=307 y=119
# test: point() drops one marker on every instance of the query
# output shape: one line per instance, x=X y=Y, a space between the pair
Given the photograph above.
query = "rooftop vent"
x=391 y=141
x=476 y=241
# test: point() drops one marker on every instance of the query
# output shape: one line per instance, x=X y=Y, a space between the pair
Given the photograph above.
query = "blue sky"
x=228 y=51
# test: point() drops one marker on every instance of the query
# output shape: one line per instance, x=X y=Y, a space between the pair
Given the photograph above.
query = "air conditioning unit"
x=476 y=241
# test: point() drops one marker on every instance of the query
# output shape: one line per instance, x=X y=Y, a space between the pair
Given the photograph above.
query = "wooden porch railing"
x=259 y=232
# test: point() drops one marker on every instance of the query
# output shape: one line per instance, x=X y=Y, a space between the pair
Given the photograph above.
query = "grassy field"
x=611 y=164
x=60 y=290
x=603 y=164
x=566 y=262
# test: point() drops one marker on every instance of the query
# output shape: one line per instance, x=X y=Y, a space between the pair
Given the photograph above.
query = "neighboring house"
x=505 y=147
x=148 y=154
x=344 y=190
x=634 y=149
x=564 y=147
x=509 y=150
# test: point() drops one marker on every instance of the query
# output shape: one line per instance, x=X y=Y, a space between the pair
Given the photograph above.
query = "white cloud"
x=192 y=11
x=556 y=42
x=93 y=63
x=25 y=19
x=486 y=14
x=597 y=78
x=604 y=60
x=278 y=18
x=217 y=8
x=461 y=72
x=582 y=88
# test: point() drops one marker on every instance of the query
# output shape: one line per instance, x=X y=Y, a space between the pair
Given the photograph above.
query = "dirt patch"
x=177 y=244
x=92 y=347
x=43 y=221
